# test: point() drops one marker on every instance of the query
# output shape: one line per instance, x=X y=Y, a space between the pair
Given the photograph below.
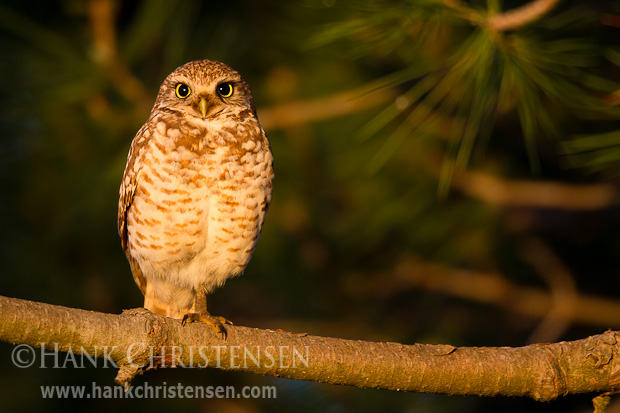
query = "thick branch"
x=542 y=372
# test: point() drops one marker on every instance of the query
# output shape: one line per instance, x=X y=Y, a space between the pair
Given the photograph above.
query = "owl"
x=195 y=191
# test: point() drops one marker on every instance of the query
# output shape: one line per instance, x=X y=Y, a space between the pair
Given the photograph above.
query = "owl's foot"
x=137 y=311
x=216 y=322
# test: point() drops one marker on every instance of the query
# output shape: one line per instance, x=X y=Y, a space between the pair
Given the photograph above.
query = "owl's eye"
x=225 y=90
x=182 y=90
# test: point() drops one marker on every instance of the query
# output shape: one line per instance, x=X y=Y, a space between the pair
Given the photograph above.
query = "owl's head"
x=205 y=89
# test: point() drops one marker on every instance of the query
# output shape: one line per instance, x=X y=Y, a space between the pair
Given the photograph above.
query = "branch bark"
x=138 y=340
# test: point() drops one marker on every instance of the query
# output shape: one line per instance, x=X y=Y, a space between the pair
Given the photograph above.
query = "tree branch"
x=534 y=194
x=327 y=107
x=563 y=292
x=488 y=288
x=508 y=20
x=503 y=192
x=519 y=17
x=101 y=13
x=137 y=338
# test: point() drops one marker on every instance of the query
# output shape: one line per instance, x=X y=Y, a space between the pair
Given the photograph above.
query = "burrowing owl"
x=195 y=190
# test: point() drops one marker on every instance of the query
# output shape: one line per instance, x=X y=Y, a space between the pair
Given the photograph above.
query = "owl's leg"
x=201 y=315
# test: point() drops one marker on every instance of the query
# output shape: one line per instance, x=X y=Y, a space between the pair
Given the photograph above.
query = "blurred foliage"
x=477 y=74
x=355 y=202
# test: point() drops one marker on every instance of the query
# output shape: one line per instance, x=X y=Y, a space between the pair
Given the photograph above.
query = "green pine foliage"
x=551 y=69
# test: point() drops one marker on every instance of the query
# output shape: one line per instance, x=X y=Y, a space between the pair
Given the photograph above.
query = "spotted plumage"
x=196 y=188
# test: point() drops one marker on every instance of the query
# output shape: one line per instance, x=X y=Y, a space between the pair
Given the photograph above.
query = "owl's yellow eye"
x=225 y=89
x=182 y=90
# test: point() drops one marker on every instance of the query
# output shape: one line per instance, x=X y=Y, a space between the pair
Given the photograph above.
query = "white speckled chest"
x=200 y=201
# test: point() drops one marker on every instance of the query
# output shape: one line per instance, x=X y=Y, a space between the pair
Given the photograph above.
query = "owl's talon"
x=215 y=322
x=140 y=311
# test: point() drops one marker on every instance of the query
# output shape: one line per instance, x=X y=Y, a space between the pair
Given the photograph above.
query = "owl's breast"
x=199 y=206
x=167 y=219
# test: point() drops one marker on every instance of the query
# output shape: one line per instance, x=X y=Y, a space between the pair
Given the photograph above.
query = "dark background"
x=370 y=235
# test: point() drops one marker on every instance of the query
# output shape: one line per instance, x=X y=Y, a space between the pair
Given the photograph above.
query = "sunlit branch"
x=542 y=371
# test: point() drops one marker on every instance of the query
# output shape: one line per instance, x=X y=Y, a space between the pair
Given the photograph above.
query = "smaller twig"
x=613 y=98
x=489 y=288
x=465 y=12
x=611 y=20
x=535 y=194
x=563 y=291
x=509 y=20
x=503 y=192
x=601 y=402
x=126 y=373
x=519 y=17
x=328 y=107
x=106 y=54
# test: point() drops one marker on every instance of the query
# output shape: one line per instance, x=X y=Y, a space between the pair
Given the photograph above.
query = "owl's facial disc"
x=206 y=99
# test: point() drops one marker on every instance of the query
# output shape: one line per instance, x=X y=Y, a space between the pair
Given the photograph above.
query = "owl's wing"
x=127 y=192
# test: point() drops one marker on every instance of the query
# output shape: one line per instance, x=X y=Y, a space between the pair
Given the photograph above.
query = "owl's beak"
x=203 y=106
